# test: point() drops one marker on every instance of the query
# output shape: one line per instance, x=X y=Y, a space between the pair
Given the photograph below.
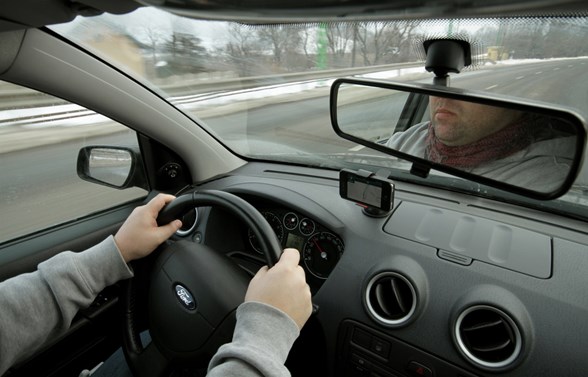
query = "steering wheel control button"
x=185 y=297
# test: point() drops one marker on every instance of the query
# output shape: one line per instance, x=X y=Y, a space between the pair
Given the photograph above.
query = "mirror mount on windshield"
x=420 y=170
x=525 y=147
x=446 y=56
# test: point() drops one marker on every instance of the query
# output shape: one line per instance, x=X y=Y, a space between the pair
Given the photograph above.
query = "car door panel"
x=95 y=331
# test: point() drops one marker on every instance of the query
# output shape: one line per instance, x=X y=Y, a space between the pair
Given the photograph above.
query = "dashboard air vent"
x=488 y=337
x=391 y=299
x=189 y=221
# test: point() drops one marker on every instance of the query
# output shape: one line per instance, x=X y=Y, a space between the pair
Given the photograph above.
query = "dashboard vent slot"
x=390 y=299
x=488 y=337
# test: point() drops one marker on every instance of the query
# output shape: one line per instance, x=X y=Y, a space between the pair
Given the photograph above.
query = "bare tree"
x=242 y=49
x=155 y=38
x=525 y=40
x=381 y=43
x=242 y=41
x=565 y=38
x=280 y=40
x=307 y=37
x=340 y=37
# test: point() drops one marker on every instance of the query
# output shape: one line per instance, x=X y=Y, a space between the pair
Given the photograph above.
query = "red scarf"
x=498 y=145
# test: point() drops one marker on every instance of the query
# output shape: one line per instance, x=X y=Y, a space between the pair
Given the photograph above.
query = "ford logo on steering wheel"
x=185 y=297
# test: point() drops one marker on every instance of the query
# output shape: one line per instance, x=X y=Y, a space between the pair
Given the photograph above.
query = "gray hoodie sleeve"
x=261 y=343
x=38 y=306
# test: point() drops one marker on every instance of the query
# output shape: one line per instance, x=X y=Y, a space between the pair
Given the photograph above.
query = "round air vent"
x=488 y=337
x=189 y=221
x=391 y=299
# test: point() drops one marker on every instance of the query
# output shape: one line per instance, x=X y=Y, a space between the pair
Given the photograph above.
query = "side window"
x=40 y=137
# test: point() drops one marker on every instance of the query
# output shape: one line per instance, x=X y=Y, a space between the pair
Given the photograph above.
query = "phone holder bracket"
x=365 y=188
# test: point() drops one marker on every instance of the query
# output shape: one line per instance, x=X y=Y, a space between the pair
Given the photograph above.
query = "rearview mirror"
x=524 y=147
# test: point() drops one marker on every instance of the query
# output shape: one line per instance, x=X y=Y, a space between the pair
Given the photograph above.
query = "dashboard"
x=446 y=285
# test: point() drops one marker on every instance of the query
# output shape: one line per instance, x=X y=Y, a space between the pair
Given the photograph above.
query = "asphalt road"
x=39 y=186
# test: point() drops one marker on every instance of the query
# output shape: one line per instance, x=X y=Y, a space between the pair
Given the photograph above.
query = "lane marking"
x=357 y=148
x=520 y=77
x=491 y=87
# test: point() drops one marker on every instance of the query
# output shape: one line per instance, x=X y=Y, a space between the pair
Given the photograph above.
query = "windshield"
x=263 y=91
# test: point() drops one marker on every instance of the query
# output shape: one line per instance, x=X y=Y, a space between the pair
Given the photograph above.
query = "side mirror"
x=521 y=146
x=116 y=167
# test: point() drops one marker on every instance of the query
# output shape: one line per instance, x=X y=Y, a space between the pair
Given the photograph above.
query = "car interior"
x=416 y=268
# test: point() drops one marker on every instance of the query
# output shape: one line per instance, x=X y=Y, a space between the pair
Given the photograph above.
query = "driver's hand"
x=284 y=287
x=140 y=235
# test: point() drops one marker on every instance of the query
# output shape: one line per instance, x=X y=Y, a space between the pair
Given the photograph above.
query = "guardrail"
x=203 y=86
x=18 y=97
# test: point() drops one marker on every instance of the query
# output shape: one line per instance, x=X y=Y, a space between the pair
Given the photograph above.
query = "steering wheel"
x=193 y=292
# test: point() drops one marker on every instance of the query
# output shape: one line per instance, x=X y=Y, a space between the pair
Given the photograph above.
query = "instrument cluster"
x=320 y=249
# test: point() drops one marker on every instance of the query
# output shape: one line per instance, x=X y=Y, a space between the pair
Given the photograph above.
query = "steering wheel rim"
x=170 y=270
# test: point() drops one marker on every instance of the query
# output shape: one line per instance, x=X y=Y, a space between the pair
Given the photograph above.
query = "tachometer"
x=321 y=253
x=276 y=225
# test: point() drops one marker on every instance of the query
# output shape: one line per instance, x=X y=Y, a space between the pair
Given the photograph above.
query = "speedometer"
x=321 y=253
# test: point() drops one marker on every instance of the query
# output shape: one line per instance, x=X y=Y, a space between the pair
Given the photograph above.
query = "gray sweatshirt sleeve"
x=261 y=343
x=37 y=306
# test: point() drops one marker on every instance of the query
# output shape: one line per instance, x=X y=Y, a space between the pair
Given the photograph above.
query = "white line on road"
x=357 y=148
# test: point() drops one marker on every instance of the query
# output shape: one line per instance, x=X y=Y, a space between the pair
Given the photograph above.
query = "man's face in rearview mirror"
x=458 y=123
x=523 y=149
